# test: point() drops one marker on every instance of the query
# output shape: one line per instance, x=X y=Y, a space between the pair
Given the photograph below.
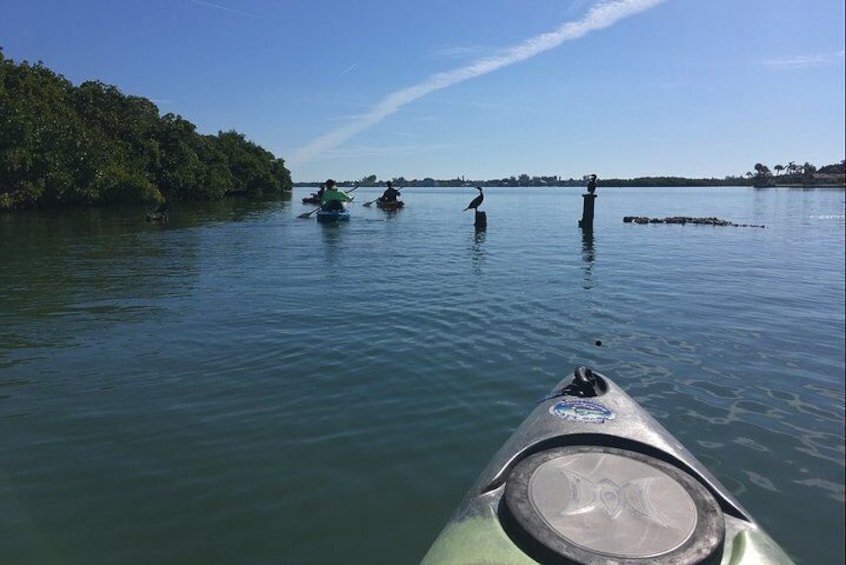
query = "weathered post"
x=588 y=201
x=481 y=221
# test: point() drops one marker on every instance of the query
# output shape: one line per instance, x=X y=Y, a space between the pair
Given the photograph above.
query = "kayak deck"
x=333 y=215
x=591 y=477
x=390 y=205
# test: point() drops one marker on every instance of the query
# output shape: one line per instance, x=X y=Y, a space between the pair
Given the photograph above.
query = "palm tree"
x=791 y=167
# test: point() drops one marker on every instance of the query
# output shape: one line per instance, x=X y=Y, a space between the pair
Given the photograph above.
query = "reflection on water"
x=588 y=256
x=330 y=232
x=331 y=235
x=477 y=250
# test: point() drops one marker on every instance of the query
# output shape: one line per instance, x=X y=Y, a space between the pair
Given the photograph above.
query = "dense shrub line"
x=88 y=145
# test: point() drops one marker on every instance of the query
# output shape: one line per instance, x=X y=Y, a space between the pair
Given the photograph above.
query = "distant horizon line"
x=558 y=178
x=553 y=180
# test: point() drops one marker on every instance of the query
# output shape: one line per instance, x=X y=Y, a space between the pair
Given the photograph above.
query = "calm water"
x=244 y=386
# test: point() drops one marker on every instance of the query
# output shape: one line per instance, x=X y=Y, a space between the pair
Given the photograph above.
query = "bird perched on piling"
x=476 y=202
x=591 y=186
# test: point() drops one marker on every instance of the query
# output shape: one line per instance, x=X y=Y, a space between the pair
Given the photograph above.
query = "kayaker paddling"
x=391 y=194
x=332 y=198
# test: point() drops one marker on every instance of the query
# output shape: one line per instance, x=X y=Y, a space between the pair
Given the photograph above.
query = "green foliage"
x=835 y=169
x=92 y=144
x=796 y=175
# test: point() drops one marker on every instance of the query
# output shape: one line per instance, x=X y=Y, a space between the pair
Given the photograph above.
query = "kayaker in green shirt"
x=333 y=199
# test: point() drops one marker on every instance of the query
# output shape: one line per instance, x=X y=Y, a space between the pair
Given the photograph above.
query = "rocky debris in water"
x=686 y=220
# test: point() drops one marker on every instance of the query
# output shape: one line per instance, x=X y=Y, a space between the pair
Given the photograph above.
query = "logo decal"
x=612 y=499
x=581 y=411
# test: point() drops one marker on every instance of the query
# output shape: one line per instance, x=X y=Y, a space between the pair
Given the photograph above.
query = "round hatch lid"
x=592 y=504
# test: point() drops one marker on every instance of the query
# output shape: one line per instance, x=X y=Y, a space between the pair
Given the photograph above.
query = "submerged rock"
x=686 y=220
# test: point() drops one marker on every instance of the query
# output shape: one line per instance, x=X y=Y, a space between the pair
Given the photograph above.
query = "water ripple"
x=240 y=383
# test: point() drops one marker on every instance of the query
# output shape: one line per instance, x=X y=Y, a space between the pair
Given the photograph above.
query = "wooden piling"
x=587 y=211
x=481 y=220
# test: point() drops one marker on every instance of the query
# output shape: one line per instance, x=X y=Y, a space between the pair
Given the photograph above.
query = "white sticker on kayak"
x=581 y=411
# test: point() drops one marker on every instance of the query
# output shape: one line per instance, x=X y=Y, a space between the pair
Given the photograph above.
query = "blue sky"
x=479 y=89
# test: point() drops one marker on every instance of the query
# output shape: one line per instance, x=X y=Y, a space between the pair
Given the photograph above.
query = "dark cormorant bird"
x=591 y=186
x=476 y=202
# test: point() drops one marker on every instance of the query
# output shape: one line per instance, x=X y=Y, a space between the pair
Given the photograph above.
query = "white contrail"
x=805 y=61
x=224 y=8
x=348 y=69
x=600 y=16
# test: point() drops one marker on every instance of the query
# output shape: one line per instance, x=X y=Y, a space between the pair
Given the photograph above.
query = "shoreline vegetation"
x=790 y=176
x=91 y=145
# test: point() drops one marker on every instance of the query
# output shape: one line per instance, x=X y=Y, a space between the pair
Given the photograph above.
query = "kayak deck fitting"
x=340 y=215
x=590 y=477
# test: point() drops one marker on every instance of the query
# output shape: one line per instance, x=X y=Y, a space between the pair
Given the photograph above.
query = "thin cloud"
x=459 y=52
x=805 y=61
x=348 y=69
x=394 y=150
x=601 y=16
x=224 y=8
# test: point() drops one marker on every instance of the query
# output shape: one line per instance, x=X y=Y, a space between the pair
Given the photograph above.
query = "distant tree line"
x=536 y=181
x=63 y=145
x=794 y=174
x=805 y=175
